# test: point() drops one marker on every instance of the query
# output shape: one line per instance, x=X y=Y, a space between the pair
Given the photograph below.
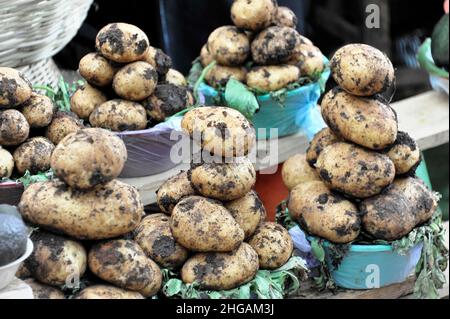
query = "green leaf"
x=29 y=179
x=239 y=97
x=318 y=250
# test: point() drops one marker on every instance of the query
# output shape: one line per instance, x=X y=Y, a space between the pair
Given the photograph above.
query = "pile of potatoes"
x=358 y=175
x=130 y=84
x=263 y=34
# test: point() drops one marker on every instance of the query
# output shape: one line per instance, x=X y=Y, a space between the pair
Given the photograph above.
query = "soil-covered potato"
x=99 y=292
x=38 y=110
x=41 y=291
x=305 y=41
x=89 y=157
x=355 y=171
x=296 y=170
x=85 y=99
x=323 y=213
x=205 y=225
x=124 y=264
x=224 y=181
x=176 y=78
x=34 y=156
x=172 y=191
x=248 y=212
x=273 y=244
x=6 y=164
x=97 y=70
x=222 y=271
x=135 y=81
x=14 y=128
x=309 y=59
x=56 y=260
x=221 y=131
x=275 y=45
x=272 y=78
x=399 y=209
x=219 y=75
x=119 y=115
x=155 y=237
x=205 y=57
x=285 y=17
x=15 y=89
x=107 y=211
x=365 y=121
x=167 y=100
x=122 y=42
x=362 y=70
x=405 y=154
x=63 y=124
x=324 y=138
x=229 y=46
x=253 y=15
x=160 y=61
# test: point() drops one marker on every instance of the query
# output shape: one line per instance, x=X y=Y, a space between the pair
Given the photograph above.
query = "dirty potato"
x=253 y=15
x=14 y=128
x=15 y=89
x=405 y=154
x=63 y=124
x=309 y=59
x=324 y=138
x=296 y=170
x=167 y=100
x=85 y=99
x=6 y=164
x=285 y=17
x=205 y=57
x=229 y=46
x=160 y=61
x=219 y=75
x=99 y=292
x=38 y=110
x=172 y=191
x=176 y=78
x=135 y=81
x=34 y=156
x=97 y=70
x=272 y=78
x=42 y=291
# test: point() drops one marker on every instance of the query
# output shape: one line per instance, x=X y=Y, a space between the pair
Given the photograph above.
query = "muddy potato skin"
x=97 y=70
x=176 y=78
x=63 y=124
x=160 y=61
x=155 y=237
x=272 y=78
x=222 y=271
x=296 y=170
x=362 y=70
x=6 y=164
x=172 y=191
x=405 y=154
x=42 y=291
x=309 y=59
x=365 y=121
x=135 y=81
x=229 y=46
x=253 y=15
x=248 y=212
x=55 y=259
x=124 y=264
x=15 y=89
x=323 y=213
x=38 y=110
x=122 y=42
x=285 y=17
x=324 y=138
x=85 y=99
x=167 y=100
x=219 y=75
x=399 y=209
x=205 y=57
x=100 y=292
x=205 y=225
x=34 y=155
x=14 y=128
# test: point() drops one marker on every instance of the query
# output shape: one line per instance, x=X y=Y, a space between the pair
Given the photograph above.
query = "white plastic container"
x=8 y=272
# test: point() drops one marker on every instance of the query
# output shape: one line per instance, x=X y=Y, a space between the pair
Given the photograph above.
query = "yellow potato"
x=229 y=46
x=272 y=78
x=97 y=70
x=14 y=128
x=63 y=124
x=85 y=99
x=99 y=292
x=285 y=17
x=321 y=140
x=296 y=170
x=34 y=156
x=172 y=191
x=176 y=78
x=405 y=154
x=253 y=15
x=6 y=164
x=15 y=89
x=309 y=59
x=219 y=75
x=38 y=110
x=159 y=60
x=135 y=81
x=205 y=57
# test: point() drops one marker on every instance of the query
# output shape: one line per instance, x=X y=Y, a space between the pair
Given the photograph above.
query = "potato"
x=172 y=191
x=364 y=121
x=135 y=81
x=285 y=17
x=222 y=271
x=221 y=131
x=323 y=213
x=122 y=42
x=155 y=237
x=272 y=78
x=321 y=140
x=309 y=59
x=106 y=211
x=253 y=15
x=205 y=57
x=398 y=210
x=405 y=154
x=63 y=124
x=85 y=99
x=6 y=164
x=34 y=156
x=38 y=110
x=160 y=61
x=97 y=70
x=41 y=291
x=362 y=70
x=205 y=225
x=226 y=181
x=124 y=264
x=275 y=45
x=229 y=46
x=355 y=171
x=119 y=116
x=273 y=244
x=99 y=292
x=296 y=170
x=14 y=128
x=248 y=212
x=219 y=75
x=167 y=100
x=305 y=41
x=175 y=77
x=56 y=260
x=15 y=89
x=88 y=158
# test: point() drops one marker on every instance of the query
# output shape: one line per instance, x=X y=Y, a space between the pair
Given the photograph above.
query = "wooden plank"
x=17 y=290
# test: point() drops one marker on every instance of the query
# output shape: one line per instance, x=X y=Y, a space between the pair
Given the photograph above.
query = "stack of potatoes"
x=264 y=34
x=213 y=228
x=129 y=83
x=359 y=173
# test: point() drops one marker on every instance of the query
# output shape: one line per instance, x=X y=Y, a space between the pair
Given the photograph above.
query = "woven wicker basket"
x=44 y=72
